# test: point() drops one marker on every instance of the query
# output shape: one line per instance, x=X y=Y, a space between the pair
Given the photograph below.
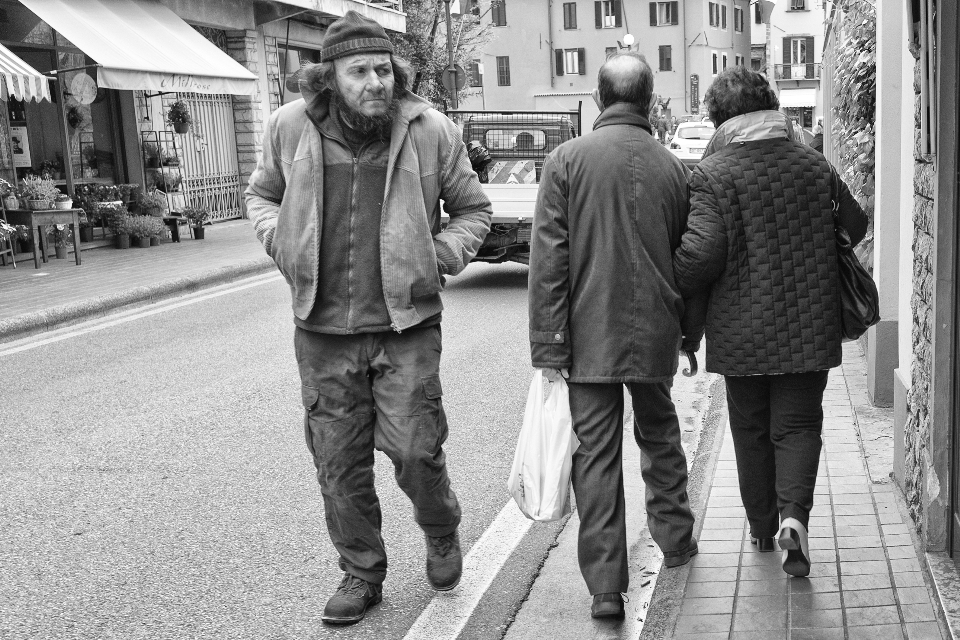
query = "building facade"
x=546 y=53
x=117 y=67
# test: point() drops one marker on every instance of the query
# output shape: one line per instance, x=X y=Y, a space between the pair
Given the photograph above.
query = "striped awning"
x=20 y=80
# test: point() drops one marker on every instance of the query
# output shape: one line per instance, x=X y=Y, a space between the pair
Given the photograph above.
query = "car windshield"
x=696 y=133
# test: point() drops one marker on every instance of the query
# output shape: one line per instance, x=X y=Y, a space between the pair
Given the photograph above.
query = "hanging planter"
x=179 y=116
x=181 y=127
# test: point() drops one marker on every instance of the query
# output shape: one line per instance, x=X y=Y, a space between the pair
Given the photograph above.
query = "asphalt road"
x=154 y=481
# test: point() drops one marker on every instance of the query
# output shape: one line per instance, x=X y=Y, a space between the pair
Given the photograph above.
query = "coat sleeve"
x=549 y=275
x=265 y=189
x=465 y=202
x=850 y=214
x=694 y=308
x=702 y=255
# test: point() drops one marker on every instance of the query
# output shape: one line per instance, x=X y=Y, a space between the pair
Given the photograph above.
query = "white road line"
x=446 y=615
x=130 y=316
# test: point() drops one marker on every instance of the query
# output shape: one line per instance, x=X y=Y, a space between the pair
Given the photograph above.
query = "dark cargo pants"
x=597 y=411
x=366 y=391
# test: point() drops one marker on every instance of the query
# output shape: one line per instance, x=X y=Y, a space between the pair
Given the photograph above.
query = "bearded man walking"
x=346 y=200
x=611 y=209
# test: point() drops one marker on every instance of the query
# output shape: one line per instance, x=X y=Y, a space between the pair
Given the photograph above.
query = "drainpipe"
x=550 y=42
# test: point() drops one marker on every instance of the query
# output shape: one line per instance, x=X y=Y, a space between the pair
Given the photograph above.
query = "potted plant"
x=141 y=227
x=59 y=234
x=152 y=204
x=9 y=195
x=197 y=216
x=158 y=229
x=63 y=201
x=168 y=181
x=179 y=116
x=50 y=169
x=24 y=238
x=118 y=220
x=128 y=192
x=39 y=192
x=151 y=155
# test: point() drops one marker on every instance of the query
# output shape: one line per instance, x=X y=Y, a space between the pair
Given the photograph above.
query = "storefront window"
x=89 y=121
x=22 y=25
x=35 y=129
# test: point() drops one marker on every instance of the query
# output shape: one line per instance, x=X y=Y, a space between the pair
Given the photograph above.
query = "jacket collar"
x=750 y=127
x=623 y=113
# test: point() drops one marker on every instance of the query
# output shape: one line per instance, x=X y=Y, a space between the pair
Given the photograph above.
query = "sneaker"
x=679 y=558
x=444 y=562
x=607 y=605
x=351 y=601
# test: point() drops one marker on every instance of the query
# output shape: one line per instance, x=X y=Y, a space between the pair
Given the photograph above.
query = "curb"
x=28 y=324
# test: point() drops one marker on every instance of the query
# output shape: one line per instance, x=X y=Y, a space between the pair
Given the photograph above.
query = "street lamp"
x=451 y=68
x=627 y=44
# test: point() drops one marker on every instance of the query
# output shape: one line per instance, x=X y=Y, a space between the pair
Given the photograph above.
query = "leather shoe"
x=764 y=545
x=607 y=605
x=351 y=601
x=444 y=561
x=796 y=549
x=679 y=558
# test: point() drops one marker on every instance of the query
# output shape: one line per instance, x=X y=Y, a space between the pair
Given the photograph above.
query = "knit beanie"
x=354 y=33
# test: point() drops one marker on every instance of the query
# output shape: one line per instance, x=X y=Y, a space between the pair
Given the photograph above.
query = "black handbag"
x=859 y=298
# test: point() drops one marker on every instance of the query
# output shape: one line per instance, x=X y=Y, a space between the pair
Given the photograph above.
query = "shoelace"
x=443 y=544
x=353 y=586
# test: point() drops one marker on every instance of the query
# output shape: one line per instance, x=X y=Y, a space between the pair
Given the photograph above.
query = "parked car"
x=690 y=139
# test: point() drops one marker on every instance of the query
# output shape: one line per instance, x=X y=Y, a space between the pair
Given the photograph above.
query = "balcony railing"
x=801 y=71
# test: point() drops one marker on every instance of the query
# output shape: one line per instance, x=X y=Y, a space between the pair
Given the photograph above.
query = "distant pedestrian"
x=662 y=129
x=605 y=310
x=817 y=141
x=761 y=242
x=346 y=201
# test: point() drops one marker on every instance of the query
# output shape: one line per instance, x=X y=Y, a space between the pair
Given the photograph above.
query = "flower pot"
x=153 y=163
x=198 y=233
x=61 y=251
x=143 y=243
x=86 y=234
x=26 y=246
x=154 y=241
x=121 y=241
x=64 y=205
x=11 y=202
x=37 y=205
x=181 y=127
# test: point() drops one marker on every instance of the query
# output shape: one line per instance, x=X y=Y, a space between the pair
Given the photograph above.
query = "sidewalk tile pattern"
x=865 y=581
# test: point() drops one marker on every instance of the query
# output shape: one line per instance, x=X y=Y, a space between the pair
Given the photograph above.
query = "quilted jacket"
x=760 y=238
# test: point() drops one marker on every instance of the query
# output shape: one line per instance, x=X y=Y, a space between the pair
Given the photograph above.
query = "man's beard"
x=363 y=124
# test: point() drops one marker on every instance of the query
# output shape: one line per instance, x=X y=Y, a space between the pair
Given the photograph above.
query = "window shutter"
x=558 y=53
x=598 y=11
x=675 y=12
x=653 y=14
x=786 y=50
x=662 y=57
x=617 y=10
x=503 y=12
x=582 y=60
x=809 y=50
x=723 y=19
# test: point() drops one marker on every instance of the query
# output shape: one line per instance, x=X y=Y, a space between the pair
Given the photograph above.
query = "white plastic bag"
x=540 y=477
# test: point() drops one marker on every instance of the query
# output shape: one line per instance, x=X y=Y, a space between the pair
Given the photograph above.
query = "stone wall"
x=918 y=464
x=248 y=114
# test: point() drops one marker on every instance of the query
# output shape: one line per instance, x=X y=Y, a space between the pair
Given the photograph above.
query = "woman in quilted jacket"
x=760 y=241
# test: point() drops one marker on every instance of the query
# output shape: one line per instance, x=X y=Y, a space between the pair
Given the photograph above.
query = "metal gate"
x=211 y=173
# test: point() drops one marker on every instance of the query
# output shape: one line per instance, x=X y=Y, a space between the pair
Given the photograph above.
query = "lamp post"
x=451 y=68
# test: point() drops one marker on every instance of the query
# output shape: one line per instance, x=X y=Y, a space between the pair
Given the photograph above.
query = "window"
x=724 y=60
x=571 y=62
x=723 y=17
x=666 y=58
x=799 y=51
x=739 y=60
x=738 y=19
x=757 y=14
x=716 y=63
x=664 y=13
x=475 y=69
x=503 y=71
x=798 y=5
x=607 y=14
x=755 y=64
x=498 y=13
x=714 y=14
x=569 y=15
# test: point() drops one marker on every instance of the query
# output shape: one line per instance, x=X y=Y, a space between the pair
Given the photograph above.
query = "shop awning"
x=20 y=80
x=792 y=98
x=141 y=44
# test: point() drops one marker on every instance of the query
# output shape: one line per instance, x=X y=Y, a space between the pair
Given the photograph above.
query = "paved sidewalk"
x=866 y=580
x=61 y=292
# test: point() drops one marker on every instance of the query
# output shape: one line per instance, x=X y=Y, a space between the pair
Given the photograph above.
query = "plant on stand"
x=39 y=192
x=59 y=234
x=63 y=202
x=198 y=216
x=152 y=204
x=9 y=194
x=179 y=116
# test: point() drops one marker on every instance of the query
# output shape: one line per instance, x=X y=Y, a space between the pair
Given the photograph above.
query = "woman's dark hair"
x=321 y=76
x=737 y=91
x=625 y=77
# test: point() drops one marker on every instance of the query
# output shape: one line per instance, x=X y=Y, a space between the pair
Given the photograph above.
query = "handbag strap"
x=835 y=195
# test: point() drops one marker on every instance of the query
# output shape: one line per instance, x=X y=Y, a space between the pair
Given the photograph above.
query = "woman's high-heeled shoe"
x=764 y=545
x=796 y=550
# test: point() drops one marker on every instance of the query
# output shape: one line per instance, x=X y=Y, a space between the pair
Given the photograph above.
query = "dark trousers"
x=597 y=411
x=776 y=422
x=366 y=391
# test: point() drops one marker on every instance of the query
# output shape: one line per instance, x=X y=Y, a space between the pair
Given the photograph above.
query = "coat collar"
x=623 y=113
x=749 y=127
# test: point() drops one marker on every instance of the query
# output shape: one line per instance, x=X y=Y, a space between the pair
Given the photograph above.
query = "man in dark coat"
x=604 y=309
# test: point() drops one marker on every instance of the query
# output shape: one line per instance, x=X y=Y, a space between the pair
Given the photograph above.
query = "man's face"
x=366 y=82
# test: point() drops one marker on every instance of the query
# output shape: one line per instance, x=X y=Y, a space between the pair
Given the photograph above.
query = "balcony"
x=802 y=71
